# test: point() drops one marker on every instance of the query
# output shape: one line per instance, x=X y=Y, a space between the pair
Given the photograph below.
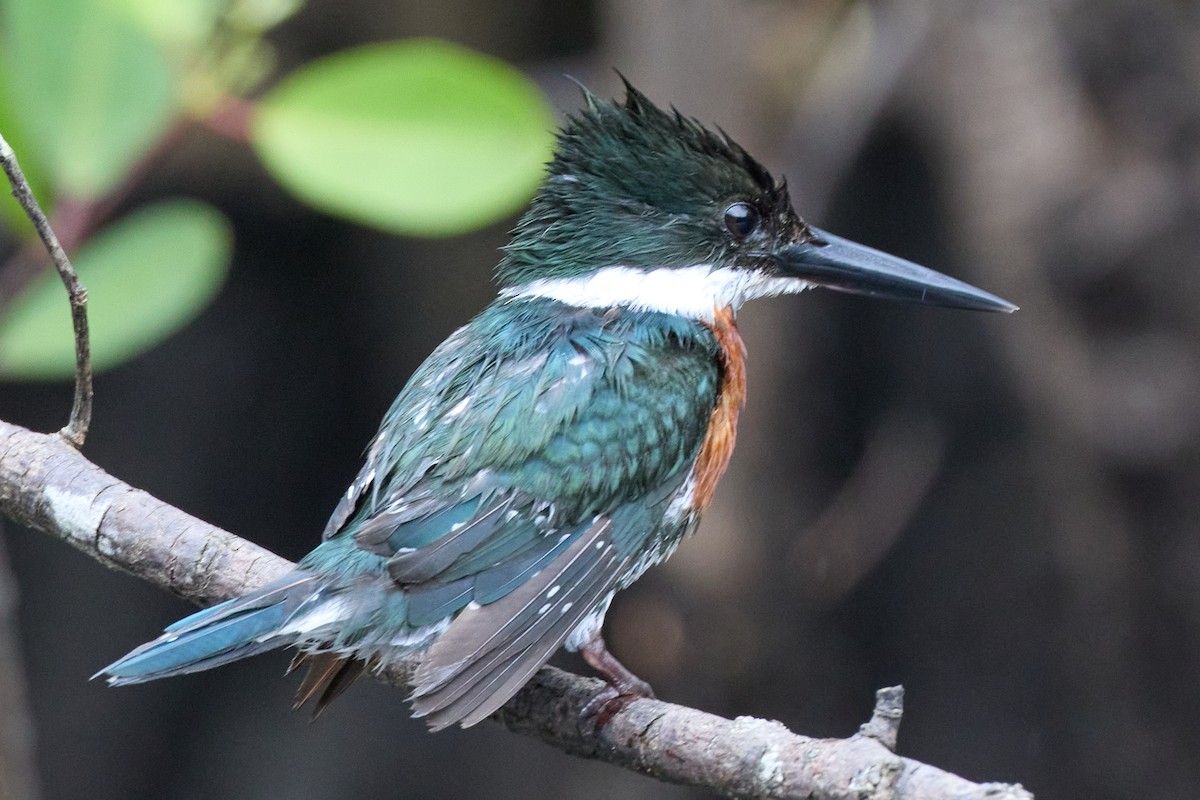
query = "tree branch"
x=81 y=410
x=47 y=485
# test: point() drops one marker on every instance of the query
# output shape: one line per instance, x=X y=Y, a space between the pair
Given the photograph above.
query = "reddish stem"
x=231 y=118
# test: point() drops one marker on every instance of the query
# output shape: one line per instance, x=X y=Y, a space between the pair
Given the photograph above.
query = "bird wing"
x=488 y=397
x=517 y=478
x=490 y=651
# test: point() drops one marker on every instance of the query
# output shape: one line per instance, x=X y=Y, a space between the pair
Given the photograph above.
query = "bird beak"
x=840 y=264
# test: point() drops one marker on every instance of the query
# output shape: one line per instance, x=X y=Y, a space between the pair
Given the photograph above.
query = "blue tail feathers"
x=229 y=631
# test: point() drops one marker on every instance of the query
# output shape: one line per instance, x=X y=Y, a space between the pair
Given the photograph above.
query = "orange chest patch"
x=717 y=446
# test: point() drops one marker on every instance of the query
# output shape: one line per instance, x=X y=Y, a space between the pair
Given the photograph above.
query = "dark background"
x=999 y=512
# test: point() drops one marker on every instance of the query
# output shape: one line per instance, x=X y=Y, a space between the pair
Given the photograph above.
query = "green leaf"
x=183 y=25
x=418 y=137
x=261 y=15
x=10 y=210
x=147 y=276
x=91 y=86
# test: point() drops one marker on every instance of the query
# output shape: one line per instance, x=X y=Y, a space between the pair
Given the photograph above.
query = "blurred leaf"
x=91 y=86
x=147 y=276
x=419 y=137
x=10 y=210
x=245 y=64
x=183 y=24
x=261 y=15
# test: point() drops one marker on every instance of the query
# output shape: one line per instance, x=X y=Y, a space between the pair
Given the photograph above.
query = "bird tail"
x=255 y=623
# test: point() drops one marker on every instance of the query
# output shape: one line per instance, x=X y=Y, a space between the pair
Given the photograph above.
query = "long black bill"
x=840 y=264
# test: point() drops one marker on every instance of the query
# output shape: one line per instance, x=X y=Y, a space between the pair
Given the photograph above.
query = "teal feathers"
x=633 y=185
x=532 y=429
x=563 y=441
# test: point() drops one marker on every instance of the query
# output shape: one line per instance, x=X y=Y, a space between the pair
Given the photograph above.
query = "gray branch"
x=49 y=486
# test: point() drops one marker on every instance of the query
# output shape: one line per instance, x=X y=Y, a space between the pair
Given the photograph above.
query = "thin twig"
x=50 y=487
x=81 y=410
x=75 y=219
x=231 y=118
x=884 y=725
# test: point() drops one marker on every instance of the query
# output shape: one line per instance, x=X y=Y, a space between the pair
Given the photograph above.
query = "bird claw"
x=623 y=686
x=610 y=701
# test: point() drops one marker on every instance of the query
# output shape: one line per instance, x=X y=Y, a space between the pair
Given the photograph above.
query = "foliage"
x=416 y=137
x=419 y=137
x=147 y=275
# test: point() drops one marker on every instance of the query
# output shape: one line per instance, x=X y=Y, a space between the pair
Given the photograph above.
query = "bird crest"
x=636 y=186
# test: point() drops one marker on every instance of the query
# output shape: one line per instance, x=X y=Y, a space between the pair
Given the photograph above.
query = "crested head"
x=649 y=208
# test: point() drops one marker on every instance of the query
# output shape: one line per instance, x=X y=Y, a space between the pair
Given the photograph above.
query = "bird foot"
x=610 y=701
x=623 y=687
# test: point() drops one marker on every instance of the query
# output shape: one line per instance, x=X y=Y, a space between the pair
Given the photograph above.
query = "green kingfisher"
x=561 y=442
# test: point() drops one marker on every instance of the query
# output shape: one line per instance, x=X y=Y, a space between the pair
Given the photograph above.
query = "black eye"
x=741 y=220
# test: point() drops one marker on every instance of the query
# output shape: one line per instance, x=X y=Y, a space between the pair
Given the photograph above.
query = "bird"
x=563 y=441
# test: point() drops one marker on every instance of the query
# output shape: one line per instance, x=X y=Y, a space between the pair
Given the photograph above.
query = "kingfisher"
x=560 y=443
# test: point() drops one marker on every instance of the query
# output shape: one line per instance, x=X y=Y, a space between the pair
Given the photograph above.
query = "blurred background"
x=1000 y=513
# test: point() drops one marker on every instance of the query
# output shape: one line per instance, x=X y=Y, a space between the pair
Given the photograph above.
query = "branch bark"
x=49 y=486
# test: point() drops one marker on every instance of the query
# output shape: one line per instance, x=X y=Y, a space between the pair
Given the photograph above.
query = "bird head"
x=647 y=208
